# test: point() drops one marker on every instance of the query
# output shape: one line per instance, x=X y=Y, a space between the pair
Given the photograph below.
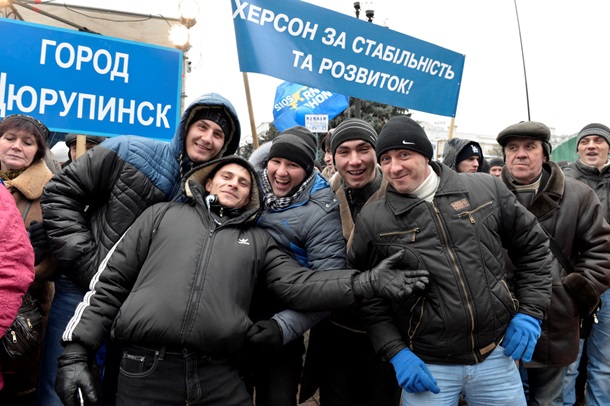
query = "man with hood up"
x=200 y=260
x=92 y=202
x=464 y=155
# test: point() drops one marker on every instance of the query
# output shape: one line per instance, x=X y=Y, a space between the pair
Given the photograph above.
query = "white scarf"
x=428 y=187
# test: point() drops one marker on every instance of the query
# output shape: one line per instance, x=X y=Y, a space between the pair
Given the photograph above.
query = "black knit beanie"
x=352 y=129
x=469 y=150
x=594 y=129
x=527 y=129
x=496 y=162
x=402 y=132
x=297 y=144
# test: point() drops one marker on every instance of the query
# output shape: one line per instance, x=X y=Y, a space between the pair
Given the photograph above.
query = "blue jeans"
x=495 y=381
x=67 y=297
x=166 y=377
x=598 y=351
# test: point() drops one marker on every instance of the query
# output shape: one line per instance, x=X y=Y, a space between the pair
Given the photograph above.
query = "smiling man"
x=593 y=145
x=176 y=291
x=340 y=359
x=302 y=215
x=573 y=217
x=455 y=225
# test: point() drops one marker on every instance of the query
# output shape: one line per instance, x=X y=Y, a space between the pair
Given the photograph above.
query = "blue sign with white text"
x=302 y=43
x=89 y=84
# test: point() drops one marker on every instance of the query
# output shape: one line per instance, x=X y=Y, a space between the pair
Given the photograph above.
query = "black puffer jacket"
x=597 y=180
x=177 y=278
x=464 y=312
x=93 y=201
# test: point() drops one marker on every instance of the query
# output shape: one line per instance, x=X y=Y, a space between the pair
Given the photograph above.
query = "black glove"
x=386 y=281
x=265 y=335
x=73 y=374
x=38 y=239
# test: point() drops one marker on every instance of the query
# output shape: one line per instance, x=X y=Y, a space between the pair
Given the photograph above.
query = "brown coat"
x=27 y=190
x=572 y=213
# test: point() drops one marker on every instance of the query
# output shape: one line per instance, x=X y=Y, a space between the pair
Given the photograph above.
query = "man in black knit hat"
x=446 y=340
x=340 y=359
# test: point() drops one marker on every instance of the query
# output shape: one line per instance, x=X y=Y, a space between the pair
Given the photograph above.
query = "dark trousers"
x=545 y=386
x=163 y=377
x=348 y=370
x=276 y=376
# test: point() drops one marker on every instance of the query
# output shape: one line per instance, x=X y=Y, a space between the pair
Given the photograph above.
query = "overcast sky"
x=565 y=44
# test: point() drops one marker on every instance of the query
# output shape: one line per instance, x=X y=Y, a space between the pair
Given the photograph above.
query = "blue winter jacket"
x=310 y=231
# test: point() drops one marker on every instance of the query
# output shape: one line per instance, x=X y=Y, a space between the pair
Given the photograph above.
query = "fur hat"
x=594 y=129
x=402 y=132
x=352 y=129
x=297 y=144
x=527 y=129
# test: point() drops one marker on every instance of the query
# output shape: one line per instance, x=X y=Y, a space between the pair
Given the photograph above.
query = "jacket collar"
x=32 y=181
x=548 y=198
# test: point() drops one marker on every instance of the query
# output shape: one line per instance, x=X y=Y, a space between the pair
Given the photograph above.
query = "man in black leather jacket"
x=446 y=340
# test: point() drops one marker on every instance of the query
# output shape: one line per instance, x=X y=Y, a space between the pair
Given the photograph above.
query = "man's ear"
x=208 y=185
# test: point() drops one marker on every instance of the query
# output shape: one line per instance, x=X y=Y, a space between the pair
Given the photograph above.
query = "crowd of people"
x=179 y=272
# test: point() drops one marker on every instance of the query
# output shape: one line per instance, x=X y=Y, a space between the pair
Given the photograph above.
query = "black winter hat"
x=297 y=144
x=95 y=139
x=352 y=129
x=496 y=162
x=402 y=132
x=594 y=129
x=469 y=150
x=527 y=129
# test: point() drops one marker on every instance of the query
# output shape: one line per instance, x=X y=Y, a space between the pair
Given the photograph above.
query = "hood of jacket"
x=453 y=148
x=206 y=100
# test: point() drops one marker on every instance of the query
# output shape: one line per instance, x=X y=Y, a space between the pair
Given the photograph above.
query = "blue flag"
x=298 y=42
x=293 y=101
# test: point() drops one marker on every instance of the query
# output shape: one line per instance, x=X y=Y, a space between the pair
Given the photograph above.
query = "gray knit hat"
x=296 y=144
x=402 y=132
x=352 y=129
x=527 y=129
x=594 y=129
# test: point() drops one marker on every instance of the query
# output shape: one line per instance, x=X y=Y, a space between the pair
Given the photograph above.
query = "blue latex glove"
x=412 y=374
x=521 y=337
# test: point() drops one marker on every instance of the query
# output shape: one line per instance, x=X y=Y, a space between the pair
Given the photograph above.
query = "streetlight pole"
x=369 y=15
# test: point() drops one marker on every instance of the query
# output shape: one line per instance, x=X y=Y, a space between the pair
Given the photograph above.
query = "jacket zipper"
x=460 y=277
x=470 y=213
x=421 y=315
x=413 y=230
x=197 y=288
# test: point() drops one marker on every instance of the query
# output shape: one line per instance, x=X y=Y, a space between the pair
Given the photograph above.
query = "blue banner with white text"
x=90 y=84
x=302 y=43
